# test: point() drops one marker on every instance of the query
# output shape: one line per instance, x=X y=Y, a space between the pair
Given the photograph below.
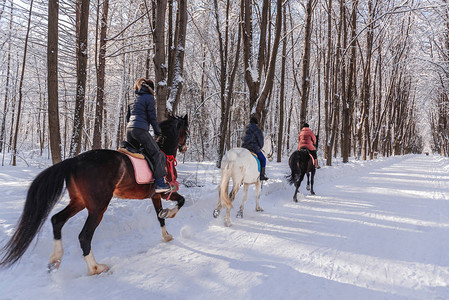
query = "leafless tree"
x=227 y=78
x=22 y=74
x=52 y=78
x=101 y=67
x=254 y=70
x=282 y=93
x=82 y=17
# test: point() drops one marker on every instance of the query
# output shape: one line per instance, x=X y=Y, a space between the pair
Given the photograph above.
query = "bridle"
x=270 y=154
x=182 y=147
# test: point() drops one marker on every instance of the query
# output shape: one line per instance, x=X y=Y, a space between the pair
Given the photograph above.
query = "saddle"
x=143 y=168
x=257 y=159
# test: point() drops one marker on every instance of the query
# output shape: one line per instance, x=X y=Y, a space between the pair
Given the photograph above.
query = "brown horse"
x=301 y=164
x=92 y=179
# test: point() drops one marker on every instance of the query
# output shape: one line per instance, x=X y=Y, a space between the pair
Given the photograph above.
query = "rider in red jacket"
x=307 y=140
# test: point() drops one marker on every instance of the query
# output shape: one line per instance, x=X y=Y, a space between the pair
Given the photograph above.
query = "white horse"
x=240 y=165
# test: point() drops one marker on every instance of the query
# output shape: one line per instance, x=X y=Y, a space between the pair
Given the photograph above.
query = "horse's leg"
x=258 y=189
x=312 y=181
x=58 y=221
x=216 y=212
x=308 y=182
x=166 y=213
x=235 y=189
x=295 y=196
x=222 y=191
x=242 y=206
x=85 y=237
x=166 y=237
x=297 y=184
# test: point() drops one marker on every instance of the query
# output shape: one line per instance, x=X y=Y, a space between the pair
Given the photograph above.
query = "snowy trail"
x=375 y=230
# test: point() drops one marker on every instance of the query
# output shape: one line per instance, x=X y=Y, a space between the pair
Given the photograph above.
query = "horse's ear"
x=186 y=119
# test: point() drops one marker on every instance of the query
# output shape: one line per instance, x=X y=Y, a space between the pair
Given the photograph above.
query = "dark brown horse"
x=301 y=163
x=92 y=179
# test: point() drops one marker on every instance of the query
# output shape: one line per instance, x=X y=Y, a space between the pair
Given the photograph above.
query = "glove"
x=158 y=138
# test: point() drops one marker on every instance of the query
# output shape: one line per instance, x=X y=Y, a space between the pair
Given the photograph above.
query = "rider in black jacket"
x=141 y=114
x=253 y=141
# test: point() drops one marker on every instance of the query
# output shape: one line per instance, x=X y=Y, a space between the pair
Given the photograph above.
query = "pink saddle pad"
x=142 y=171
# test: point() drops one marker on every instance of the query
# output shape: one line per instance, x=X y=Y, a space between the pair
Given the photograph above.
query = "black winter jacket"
x=253 y=140
x=142 y=112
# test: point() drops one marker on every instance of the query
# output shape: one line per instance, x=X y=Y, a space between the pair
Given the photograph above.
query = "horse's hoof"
x=240 y=214
x=312 y=192
x=52 y=266
x=228 y=223
x=260 y=209
x=295 y=199
x=216 y=213
x=163 y=214
x=308 y=187
x=167 y=237
x=170 y=213
x=98 y=269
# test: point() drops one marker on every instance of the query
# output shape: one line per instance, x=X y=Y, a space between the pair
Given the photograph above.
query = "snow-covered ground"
x=374 y=230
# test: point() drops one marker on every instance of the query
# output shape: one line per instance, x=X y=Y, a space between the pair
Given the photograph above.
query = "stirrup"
x=162 y=189
x=263 y=178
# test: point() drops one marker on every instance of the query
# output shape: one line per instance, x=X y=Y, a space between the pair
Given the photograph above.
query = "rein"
x=170 y=159
x=171 y=164
x=270 y=154
x=272 y=148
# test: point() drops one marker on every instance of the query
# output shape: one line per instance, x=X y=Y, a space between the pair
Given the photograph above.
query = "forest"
x=371 y=77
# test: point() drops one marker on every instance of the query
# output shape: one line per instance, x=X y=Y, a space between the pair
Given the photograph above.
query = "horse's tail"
x=45 y=190
x=295 y=160
x=224 y=183
x=298 y=164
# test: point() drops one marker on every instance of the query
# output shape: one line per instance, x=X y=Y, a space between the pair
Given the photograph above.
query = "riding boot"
x=161 y=186
x=262 y=174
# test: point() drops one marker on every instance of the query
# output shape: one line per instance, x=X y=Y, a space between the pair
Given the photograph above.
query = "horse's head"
x=183 y=126
x=175 y=132
x=268 y=147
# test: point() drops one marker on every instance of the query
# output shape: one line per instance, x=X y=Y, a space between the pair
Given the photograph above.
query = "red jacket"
x=306 y=139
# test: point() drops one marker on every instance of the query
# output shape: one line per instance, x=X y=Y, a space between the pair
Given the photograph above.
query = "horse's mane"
x=168 y=126
x=170 y=132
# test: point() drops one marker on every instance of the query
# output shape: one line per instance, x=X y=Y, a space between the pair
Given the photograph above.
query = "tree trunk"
x=159 y=59
x=7 y=88
x=226 y=78
x=40 y=129
x=268 y=82
x=120 y=103
x=366 y=84
x=99 y=108
x=348 y=101
x=327 y=89
x=175 y=74
x=81 y=74
x=251 y=78
x=19 y=106
x=282 y=94
x=305 y=80
x=343 y=96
